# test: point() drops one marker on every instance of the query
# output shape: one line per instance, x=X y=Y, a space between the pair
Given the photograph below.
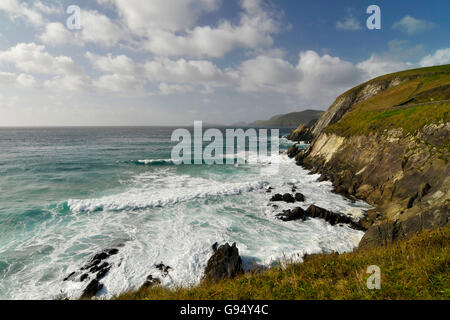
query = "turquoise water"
x=68 y=193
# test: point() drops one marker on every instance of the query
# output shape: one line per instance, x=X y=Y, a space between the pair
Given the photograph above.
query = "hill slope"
x=289 y=120
x=387 y=141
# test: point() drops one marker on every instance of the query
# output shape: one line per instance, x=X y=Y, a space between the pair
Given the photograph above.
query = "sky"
x=170 y=62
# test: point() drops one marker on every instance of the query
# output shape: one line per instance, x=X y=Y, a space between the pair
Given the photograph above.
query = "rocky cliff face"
x=403 y=173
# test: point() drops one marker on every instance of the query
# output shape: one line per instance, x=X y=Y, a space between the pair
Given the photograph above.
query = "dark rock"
x=113 y=252
x=291 y=215
x=214 y=246
x=331 y=217
x=92 y=289
x=97 y=268
x=84 y=277
x=224 y=263
x=150 y=282
x=163 y=268
x=92 y=264
x=277 y=197
x=70 y=276
x=102 y=273
x=101 y=256
x=386 y=233
x=293 y=151
x=299 y=197
x=287 y=197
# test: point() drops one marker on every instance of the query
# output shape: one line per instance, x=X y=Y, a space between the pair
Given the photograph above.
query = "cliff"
x=387 y=142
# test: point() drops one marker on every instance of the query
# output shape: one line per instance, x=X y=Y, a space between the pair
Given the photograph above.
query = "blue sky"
x=170 y=62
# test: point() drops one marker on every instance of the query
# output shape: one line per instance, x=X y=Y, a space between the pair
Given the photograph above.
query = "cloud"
x=349 y=23
x=99 y=29
x=412 y=26
x=440 y=57
x=268 y=73
x=170 y=89
x=143 y=17
x=121 y=64
x=24 y=80
x=17 y=10
x=56 y=34
x=378 y=65
x=199 y=72
x=34 y=59
x=168 y=27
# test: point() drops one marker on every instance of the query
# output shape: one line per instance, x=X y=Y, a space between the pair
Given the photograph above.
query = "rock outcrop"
x=402 y=169
x=225 y=263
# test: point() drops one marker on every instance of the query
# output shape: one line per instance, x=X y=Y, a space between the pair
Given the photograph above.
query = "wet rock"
x=103 y=272
x=163 y=268
x=214 y=246
x=269 y=189
x=70 y=276
x=293 y=151
x=332 y=217
x=291 y=215
x=113 y=252
x=277 y=197
x=100 y=267
x=92 y=289
x=150 y=282
x=225 y=263
x=287 y=197
x=84 y=277
x=299 y=197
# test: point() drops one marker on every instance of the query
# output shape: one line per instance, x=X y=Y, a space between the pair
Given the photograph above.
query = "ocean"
x=69 y=193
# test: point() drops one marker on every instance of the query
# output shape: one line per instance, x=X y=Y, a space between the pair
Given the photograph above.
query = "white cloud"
x=170 y=89
x=24 y=80
x=121 y=64
x=350 y=23
x=168 y=27
x=440 y=57
x=411 y=25
x=99 y=29
x=33 y=58
x=200 y=72
x=17 y=9
x=378 y=65
x=267 y=73
x=143 y=16
x=56 y=34
x=119 y=83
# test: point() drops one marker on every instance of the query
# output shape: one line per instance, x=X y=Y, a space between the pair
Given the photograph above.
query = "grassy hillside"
x=411 y=269
x=289 y=120
x=422 y=99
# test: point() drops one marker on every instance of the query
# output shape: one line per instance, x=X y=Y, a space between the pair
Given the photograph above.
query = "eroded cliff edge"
x=388 y=142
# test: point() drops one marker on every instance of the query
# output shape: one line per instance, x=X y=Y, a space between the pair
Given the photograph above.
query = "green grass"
x=417 y=268
x=398 y=107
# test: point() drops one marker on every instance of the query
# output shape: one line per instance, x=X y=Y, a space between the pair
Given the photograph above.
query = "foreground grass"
x=417 y=268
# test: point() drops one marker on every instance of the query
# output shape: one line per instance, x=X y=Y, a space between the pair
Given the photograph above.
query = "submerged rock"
x=225 y=263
